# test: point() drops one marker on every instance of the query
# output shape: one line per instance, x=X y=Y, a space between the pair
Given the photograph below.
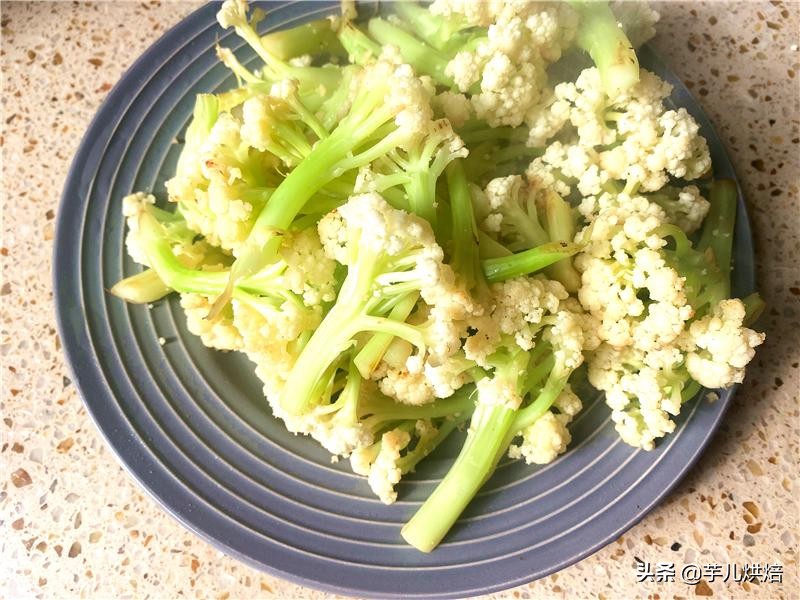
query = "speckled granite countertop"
x=75 y=525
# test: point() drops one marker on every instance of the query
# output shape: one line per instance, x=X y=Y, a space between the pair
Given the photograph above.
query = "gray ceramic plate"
x=191 y=426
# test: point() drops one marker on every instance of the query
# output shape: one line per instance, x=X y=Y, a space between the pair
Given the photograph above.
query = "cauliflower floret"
x=640 y=303
x=475 y=13
x=640 y=429
x=566 y=336
x=385 y=462
x=391 y=54
x=509 y=66
x=333 y=235
x=132 y=207
x=407 y=386
x=465 y=69
x=546 y=118
x=385 y=473
x=543 y=176
x=456 y=107
x=566 y=164
x=447 y=377
x=677 y=150
x=642 y=389
x=685 y=207
x=220 y=214
x=662 y=325
x=304 y=60
x=721 y=347
x=684 y=150
x=273 y=364
x=502 y=190
x=543 y=441
x=409 y=96
x=508 y=209
x=587 y=102
x=309 y=271
x=622 y=261
x=190 y=252
x=385 y=248
x=649 y=143
x=588 y=323
x=232 y=13
x=258 y=118
x=508 y=91
x=209 y=185
x=497 y=390
x=422 y=379
x=219 y=333
x=518 y=309
x=568 y=403
x=483 y=341
x=637 y=19
x=264 y=325
x=521 y=303
x=552 y=25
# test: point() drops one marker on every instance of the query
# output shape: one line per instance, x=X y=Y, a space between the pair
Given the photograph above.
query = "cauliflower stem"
x=141 y=288
x=528 y=261
x=496 y=421
x=605 y=41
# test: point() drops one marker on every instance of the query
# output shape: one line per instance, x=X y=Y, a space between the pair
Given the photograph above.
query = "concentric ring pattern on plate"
x=191 y=425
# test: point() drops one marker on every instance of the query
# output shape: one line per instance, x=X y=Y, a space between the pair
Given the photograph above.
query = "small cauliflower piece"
x=508 y=91
x=475 y=13
x=447 y=377
x=637 y=19
x=520 y=305
x=309 y=271
x=284 y=301
x=264 y=324
x=455 y=107
x=232 y=13
x=407 y=386
x=499 y=391
x=721 y=347
x=397 y=452
x=212 y=186
x=132 y=206
x=385 y=473
x=643 y=389
x=219 y=333
x=546 y=118
x=568 y=403
x=340 y=433
x=690 y=209
x=509 y=212
x=564 y=165
x=543 y=441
